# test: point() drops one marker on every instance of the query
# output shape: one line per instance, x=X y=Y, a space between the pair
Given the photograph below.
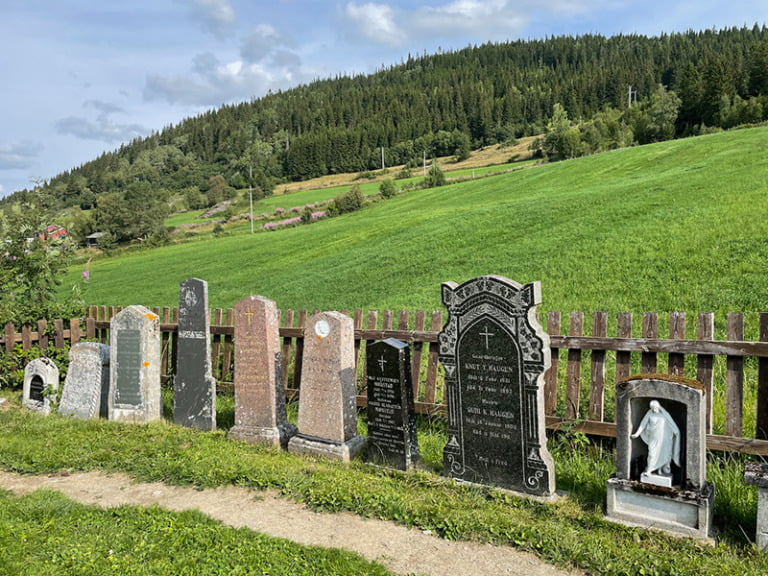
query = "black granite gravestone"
x=495 y=355
x=391 y=414
x=194 y=388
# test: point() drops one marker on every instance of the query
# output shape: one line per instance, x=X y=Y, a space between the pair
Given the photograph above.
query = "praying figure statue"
x=659 y=431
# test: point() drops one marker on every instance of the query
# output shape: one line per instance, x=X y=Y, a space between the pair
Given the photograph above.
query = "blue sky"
x=78 y=77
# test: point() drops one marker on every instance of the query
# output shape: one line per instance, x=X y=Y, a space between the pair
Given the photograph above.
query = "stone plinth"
x=260 y=415
x=756 y=474
x=327 y=404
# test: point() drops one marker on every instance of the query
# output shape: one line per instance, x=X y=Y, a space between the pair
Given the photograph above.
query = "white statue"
x=659 y=431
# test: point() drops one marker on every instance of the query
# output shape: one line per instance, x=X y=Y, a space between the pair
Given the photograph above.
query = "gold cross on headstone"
x=249 y=314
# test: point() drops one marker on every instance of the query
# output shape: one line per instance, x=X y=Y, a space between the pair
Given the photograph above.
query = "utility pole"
x=425 y=163
x=632 y=95
x=250 y=193
x=382 y=157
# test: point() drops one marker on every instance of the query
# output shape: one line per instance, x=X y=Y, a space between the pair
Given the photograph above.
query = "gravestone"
x=756 y=474
x=391 y=413
x=40 y=375
x=660 y=479
x=194 y=388
x=327 y=404
x=86 y=386
x=495 y=354
x=135 y=393
x=260 y=415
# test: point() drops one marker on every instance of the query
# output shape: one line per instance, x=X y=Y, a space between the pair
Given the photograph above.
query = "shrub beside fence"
x=577 y=392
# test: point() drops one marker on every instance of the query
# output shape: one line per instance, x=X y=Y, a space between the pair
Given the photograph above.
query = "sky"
x=80 y=77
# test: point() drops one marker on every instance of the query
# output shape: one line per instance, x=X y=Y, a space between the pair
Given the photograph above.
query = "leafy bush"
x=387 y=188
x=12 y=365
x=435 y=177
x=349 y=202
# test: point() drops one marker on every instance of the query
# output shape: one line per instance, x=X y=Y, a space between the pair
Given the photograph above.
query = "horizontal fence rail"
x=577 y=393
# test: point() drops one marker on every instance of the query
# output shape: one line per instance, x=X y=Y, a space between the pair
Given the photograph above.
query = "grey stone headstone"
x=327 y=403
x=667 y=416
x=391 y=413
x=194 y=388
x=495 y=354
x=260 y=415
x=39 y=375
x=86 y=387
x=756 y=474
x=135 y=392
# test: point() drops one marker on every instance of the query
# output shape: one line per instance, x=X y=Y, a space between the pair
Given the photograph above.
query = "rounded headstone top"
x=690 y=383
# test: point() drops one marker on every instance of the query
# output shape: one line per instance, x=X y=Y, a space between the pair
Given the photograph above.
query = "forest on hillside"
x=586 y=93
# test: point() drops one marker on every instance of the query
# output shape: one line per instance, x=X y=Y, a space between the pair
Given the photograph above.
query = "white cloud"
x=260 y=43
x=375 y=22
x=20 y=155
x=102 y=129
x=485 y=19
x=215 y=16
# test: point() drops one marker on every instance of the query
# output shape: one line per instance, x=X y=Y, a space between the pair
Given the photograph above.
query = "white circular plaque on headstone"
x=322 y=328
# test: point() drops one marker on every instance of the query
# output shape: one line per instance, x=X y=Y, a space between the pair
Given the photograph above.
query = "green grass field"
x=678 y=226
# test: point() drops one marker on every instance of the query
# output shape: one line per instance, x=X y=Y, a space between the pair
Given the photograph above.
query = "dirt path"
x=401 y=549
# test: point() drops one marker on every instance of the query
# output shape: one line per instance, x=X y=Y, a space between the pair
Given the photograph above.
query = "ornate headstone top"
x=495 y=354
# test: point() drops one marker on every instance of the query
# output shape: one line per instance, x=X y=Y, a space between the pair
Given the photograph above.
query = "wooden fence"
x=578 y=392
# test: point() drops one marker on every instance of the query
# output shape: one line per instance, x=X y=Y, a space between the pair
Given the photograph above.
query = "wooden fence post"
x=705 y=363
x=734 y=391
x=676 y=362
x=573 y=371
x=550 y=378
x=597 y=385
x=762 y=385
x=650 y=330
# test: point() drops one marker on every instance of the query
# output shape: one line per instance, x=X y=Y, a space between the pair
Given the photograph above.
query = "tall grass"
x=677 y=226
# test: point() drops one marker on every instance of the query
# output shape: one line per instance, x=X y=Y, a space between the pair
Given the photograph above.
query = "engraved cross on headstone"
x=487 y=335
x=382 y=363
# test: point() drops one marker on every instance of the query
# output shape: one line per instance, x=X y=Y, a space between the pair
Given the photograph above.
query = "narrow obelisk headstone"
x=327 y=404
x=40 y=375
x=495 y=354
x=260 y=415
x=135 y=393
x=86 y=387
x=194 y=388
x=391 y=413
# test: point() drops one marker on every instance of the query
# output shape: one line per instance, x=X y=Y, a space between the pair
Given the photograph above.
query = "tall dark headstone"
x=86 y=386
x=260 y=415
x=495 y=354
x=391 y=413
x=135 y=392
x=194 y=388
x=40 y=376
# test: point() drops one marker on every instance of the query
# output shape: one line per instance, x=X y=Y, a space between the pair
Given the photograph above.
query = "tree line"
x=584 y=93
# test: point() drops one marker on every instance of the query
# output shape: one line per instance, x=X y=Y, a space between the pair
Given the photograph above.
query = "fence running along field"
x=578 y=391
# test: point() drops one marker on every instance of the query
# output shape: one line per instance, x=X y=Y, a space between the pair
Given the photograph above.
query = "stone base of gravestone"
x=312 y=446
x=274 y=436
x=3 y=402
x=685 y=513
x=756 y=474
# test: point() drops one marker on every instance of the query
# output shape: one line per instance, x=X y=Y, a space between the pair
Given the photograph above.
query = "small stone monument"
x=327 y=404
x=391 y=413
x=86 y=387
x=194 y=388
x=135 y=392
x=40 y=375
x=756 y=474
x=260 y=415
x=495 y=354
x=660 y=479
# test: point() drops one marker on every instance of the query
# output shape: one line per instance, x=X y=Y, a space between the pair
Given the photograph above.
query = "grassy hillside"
x=677 y=226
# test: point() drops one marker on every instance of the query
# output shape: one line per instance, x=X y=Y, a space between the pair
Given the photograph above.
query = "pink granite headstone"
x=327 y=404
x=260 y=415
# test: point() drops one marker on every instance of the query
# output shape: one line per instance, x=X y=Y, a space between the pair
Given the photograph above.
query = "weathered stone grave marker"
x=756 y=474
x=135 y=393
x=495 y=354
x=327 y=404
x=391 y=413
x=86 y=387
x=40 y=374
x=194 y=388
x=660 y=479
x=260 y=415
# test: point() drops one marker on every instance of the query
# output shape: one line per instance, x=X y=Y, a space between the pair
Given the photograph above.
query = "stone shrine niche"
x=40 y=375
x=660 y=478
x=495 y=354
